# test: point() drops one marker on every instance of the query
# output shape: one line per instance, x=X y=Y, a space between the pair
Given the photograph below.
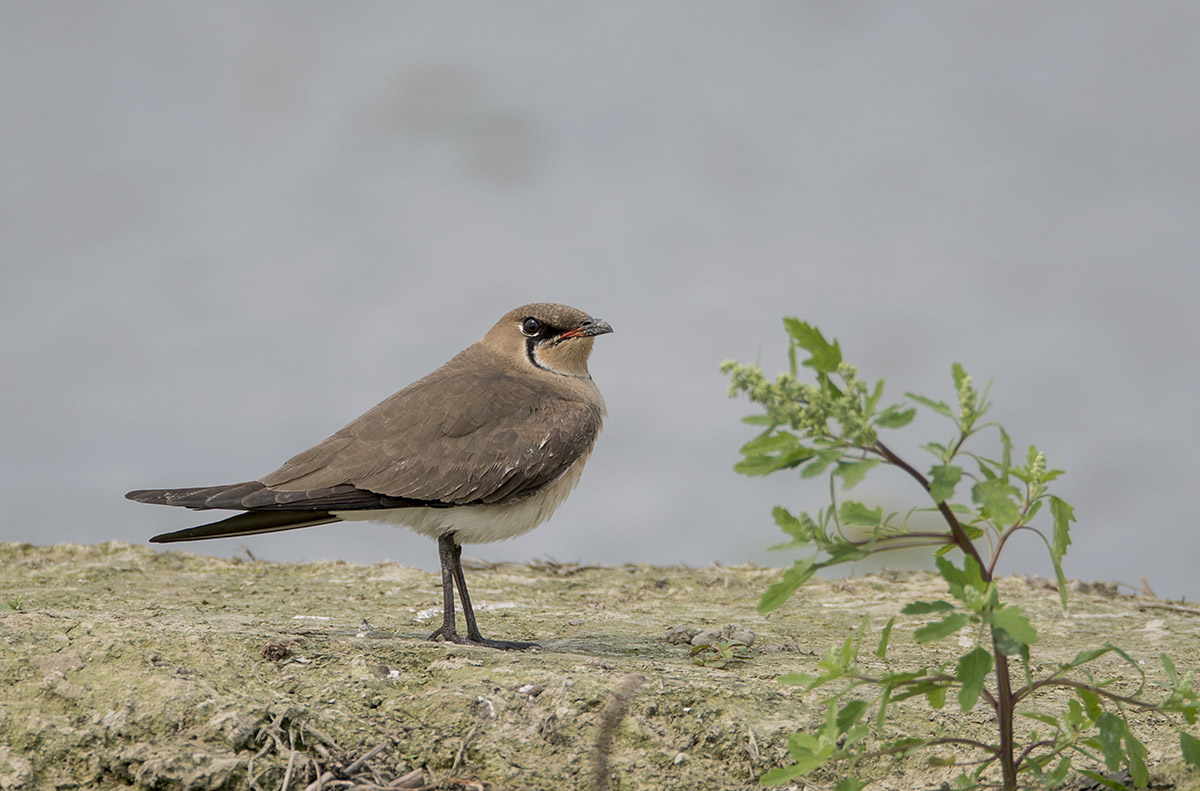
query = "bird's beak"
x=587 y=329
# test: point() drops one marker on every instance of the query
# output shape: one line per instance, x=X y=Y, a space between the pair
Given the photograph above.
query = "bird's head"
x=550 y=337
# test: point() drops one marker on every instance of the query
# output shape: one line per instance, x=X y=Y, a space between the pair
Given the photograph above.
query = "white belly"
x=478 y=524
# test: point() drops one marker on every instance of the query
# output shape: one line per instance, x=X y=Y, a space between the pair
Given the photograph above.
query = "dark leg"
x=450 y=553
x=448 y=631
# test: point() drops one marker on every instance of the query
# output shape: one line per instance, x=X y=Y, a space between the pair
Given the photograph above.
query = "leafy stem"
x=832 y=427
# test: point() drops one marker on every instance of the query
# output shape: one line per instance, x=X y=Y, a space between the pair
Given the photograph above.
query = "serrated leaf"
x=767 y=464
x=972 y=671
x=998 y=499
x=1135 y=759
x=1063 y=515
x=826 y=355
x=792 y=579
x=926 y=607
x=855 y=513
x=850 y=714
x=852 y=472
x=1189 y=745
x=790 y=524
x=942 y=480
x=1012 y=630
x=941 y=629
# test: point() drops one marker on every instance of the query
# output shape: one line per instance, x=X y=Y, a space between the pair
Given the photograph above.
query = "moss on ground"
x=122 y=667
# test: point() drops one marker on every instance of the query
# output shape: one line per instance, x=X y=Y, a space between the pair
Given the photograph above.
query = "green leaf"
x=970 y=576
x=767 y=453
x=782 y=774
x=853 y=512
x=1111 y=729
x=1091 y=703
x=881 y=650
x=940 y=407
x=800 y=679
x=759 y=420
x=849 y=783
x=826 y=355
x=1189 y=745
x=895 y=417
x=942 y=480
x=1135 y=759
x=1012 y=629
x=1045 y=719
x=850 y=714
x=765 y=465
x=770 y=442
x=1096 y=777
x=926 y=607
x=943 y=628
x=1085 y=656
x=1006 y=459
x=1063 y=515
x=852 y=472
x=936 y=697
x=1055 y=778
x=820 y=463
x=998 y=500
x=972 y=671
x=790 y=524
x=792 y=579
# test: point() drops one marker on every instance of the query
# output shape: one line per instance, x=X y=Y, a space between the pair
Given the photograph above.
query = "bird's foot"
x=451 y=636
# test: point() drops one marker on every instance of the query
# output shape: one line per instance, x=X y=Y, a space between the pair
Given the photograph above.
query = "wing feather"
x=464 y=437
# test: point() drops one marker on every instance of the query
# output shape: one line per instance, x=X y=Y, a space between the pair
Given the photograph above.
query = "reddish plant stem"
x=961 y=539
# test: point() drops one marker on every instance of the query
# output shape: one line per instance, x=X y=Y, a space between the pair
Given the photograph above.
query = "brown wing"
x=460 y=437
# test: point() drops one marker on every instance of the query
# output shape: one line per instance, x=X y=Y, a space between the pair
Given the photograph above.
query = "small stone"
x=737 y=633
x=274 y=652
x=681 y=634
x=707 y=637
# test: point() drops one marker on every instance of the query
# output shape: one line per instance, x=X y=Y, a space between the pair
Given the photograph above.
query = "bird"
x=484 y=448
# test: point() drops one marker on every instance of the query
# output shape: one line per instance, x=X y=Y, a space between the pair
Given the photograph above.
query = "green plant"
x=832 y=426
x=720 y=653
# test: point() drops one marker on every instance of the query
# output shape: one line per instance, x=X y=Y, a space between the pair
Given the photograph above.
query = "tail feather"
x=227 y=496
x=247 y=524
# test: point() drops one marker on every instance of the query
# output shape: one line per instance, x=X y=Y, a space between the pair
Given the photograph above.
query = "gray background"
x=227 y=229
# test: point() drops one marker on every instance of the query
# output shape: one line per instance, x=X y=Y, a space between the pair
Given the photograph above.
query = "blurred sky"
x=227 y=229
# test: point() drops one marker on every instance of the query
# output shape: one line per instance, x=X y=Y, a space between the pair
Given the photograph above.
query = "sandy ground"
x=122 y=667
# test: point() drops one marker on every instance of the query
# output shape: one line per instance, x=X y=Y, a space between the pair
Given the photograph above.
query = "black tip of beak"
x=595 y=327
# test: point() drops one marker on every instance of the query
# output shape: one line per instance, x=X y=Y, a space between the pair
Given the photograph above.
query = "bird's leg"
x=450 y=552
x=449 y=561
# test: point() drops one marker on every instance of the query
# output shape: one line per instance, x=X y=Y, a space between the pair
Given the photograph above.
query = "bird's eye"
x=531 y=326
